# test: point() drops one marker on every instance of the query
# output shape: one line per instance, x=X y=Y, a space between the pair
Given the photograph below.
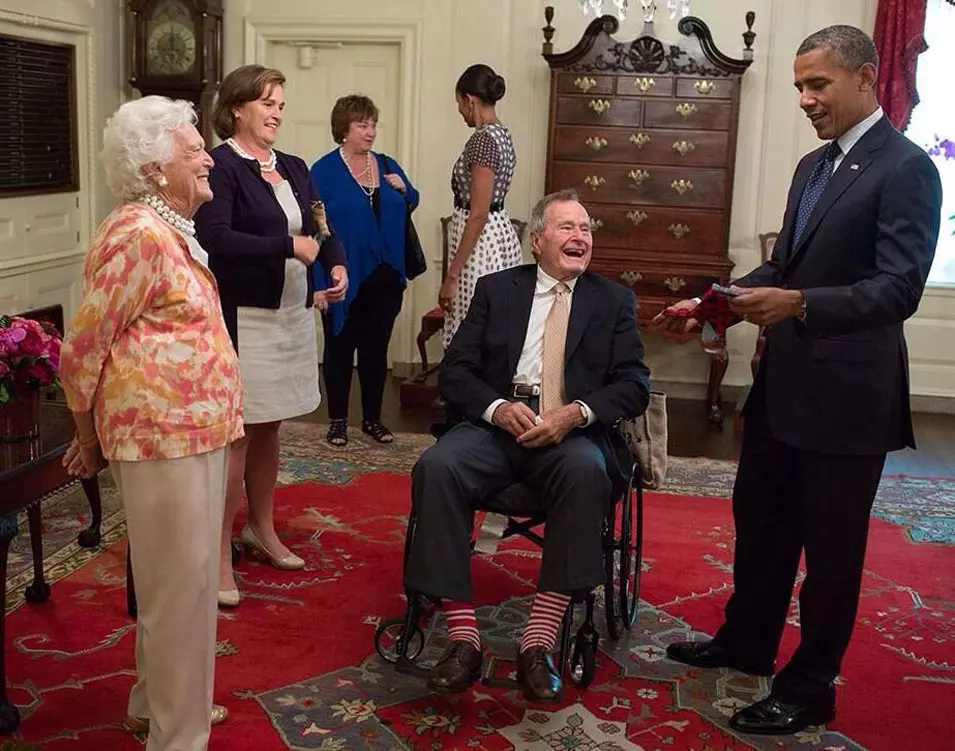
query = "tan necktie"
x=555 y=340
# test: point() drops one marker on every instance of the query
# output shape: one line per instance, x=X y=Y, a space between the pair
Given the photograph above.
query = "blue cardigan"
x=350 y=213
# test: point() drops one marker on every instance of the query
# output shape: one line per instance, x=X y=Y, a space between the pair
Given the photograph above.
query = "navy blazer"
x=604 y=365
x=245 y=232
x=838 y=383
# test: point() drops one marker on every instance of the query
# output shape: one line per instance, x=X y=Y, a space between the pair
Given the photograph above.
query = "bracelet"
x=88 y=443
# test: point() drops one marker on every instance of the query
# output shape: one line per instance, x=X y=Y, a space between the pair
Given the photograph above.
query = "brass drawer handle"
x=686 y=109
x=596 y=142
x=639 y=139
x=684 y=147
x=644 y=84
x=674 y=283
x=585 y=84
x=637 y=217
x=682 y=186
x=595 y=224
x=594 y=181
x=679 y=230
x=639 y=175
x=631 y=277
x=704 y=87
x=599 y=105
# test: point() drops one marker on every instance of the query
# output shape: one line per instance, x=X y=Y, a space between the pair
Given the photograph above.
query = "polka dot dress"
x=498 y=247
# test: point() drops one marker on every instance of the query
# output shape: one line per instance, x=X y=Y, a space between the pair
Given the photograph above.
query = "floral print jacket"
x=148 y=350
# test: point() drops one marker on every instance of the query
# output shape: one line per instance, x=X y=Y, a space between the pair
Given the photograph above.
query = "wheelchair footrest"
x=489 y=679
x=407 y=667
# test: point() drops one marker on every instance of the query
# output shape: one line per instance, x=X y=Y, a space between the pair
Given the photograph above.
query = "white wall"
x=30 y=278
x=440 y=38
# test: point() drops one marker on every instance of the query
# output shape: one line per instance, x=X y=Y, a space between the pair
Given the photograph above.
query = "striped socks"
x=462 y=623
x=544 y=623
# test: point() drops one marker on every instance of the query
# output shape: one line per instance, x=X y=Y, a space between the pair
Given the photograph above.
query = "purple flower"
x=943 y=147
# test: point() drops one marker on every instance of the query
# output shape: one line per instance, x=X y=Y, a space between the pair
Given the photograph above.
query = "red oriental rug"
x=297 y=669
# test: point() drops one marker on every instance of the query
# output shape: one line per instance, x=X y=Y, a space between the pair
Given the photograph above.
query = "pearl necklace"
x=368 y=190
x=173 y=218
x=267 y=166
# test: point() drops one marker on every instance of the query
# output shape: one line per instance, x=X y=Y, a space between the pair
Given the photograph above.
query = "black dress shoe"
x=458 y=668
x=707 y=654
x=774 y=717
x=537 y=675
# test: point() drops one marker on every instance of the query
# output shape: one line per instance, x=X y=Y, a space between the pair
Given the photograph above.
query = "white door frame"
x=259 y=33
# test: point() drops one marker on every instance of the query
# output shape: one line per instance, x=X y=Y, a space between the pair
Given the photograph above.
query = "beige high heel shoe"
x=229 y=598
x=290 y=562
x=140 y=725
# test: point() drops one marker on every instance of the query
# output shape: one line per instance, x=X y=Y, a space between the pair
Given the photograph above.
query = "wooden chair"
x=433 y=321
x=766 y=242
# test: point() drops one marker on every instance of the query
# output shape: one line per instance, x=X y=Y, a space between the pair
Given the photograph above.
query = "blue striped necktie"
x=815 y=186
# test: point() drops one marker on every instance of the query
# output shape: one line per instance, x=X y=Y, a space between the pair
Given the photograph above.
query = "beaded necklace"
x=173 y=218
x=368 y=190
x=267 y=166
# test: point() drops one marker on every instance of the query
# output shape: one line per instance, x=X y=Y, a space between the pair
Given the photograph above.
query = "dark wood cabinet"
x=646 y=133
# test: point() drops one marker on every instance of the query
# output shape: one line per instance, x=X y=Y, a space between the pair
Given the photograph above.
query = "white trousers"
x=174 y=511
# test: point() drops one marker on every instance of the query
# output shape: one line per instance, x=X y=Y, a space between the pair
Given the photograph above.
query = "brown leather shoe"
x=457 y=669
x=537 y=675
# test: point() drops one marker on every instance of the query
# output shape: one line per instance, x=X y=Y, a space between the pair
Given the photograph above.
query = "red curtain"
x=899 y=28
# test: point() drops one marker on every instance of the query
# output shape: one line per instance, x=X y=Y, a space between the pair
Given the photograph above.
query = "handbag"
x=646 y=439
x=415 y=262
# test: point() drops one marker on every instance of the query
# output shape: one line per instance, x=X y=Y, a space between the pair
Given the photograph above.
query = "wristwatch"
x=802 y=308
x=583 y=415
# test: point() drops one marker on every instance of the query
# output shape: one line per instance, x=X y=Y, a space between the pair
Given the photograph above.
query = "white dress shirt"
x=528 y=371
x=851 y=137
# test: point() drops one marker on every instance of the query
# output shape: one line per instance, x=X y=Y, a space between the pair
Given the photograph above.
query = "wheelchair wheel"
x=631 y=554
x=388 y=638
x=583 y=658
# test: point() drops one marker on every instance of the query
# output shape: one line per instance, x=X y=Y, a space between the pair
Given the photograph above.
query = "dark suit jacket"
x=245 y=232
x=838 y=383
x=604 y=365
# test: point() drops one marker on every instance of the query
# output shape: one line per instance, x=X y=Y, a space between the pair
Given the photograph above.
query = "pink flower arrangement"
x=29 y=356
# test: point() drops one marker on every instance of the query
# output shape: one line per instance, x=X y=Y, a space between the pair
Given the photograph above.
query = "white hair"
x=139 y=133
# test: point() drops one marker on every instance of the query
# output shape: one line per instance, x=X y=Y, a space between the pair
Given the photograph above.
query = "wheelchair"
x=401 y=640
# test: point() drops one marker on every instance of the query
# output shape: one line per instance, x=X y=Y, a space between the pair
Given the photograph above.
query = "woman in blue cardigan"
x=367 y=200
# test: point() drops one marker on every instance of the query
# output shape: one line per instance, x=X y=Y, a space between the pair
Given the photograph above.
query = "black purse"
x=415 y=262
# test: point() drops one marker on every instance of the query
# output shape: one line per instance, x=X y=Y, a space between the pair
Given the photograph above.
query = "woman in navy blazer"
x=368 y=198
x=260 y=233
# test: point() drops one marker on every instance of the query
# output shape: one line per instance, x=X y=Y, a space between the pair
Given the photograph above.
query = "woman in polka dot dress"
x=482 y=239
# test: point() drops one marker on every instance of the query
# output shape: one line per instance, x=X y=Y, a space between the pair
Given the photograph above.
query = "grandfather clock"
x=174 y=49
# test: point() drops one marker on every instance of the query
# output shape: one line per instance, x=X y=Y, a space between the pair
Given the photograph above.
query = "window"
x=933 y=124
x=38 y=118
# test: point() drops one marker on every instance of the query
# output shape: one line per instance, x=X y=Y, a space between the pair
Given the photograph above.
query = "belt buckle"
x=529 y=390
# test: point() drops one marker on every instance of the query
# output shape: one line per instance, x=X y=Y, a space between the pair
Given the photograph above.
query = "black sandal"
x=337 y=434
x=377 y=431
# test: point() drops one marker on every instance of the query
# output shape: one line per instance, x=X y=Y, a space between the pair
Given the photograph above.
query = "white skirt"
x=278 y=356
x=497 y=248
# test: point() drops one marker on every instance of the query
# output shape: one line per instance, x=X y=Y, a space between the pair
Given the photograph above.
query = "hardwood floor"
x=689 y=434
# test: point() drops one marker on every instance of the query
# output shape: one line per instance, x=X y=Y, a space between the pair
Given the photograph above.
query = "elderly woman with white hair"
x=152 y=379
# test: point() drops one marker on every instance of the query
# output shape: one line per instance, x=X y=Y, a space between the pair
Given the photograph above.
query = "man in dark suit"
x=547 y=359
x=831 y=395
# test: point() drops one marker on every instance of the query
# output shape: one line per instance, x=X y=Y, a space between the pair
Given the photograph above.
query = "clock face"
x=170 y=40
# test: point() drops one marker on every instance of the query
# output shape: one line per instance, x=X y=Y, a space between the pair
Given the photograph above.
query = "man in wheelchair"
x=546 y=361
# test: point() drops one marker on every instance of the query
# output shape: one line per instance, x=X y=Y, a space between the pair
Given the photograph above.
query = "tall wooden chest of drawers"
x=646 y=133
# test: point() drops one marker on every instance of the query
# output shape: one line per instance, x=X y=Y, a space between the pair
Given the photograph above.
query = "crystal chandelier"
x=682 y=5
x=597 y=7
